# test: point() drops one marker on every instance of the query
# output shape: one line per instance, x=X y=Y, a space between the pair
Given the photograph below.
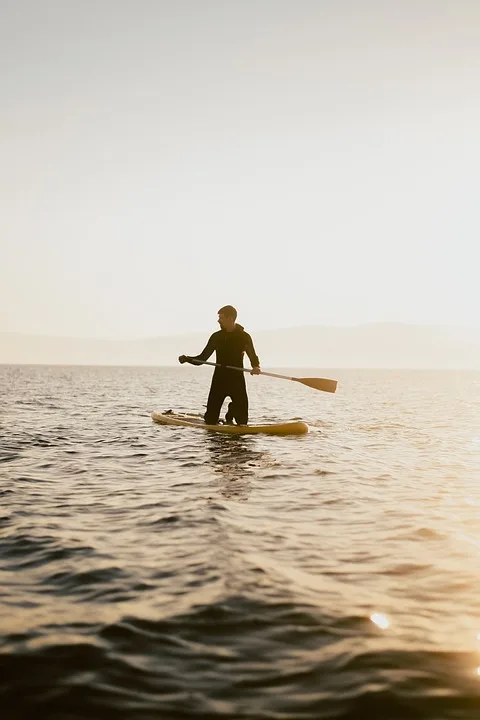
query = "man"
x=230 y=343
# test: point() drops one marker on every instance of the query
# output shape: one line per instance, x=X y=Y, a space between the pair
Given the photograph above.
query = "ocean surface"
x=161 y=572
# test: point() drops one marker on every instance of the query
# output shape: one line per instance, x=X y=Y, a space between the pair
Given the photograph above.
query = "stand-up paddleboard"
x=194 y=421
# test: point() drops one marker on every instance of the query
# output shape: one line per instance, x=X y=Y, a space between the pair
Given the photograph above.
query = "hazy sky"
x=312 y=161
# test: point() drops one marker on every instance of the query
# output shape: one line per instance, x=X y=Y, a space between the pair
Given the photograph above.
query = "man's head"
x=226 y=317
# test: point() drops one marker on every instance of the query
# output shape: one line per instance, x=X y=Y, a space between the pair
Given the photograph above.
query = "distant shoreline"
x=374 y=346
x=273 y=368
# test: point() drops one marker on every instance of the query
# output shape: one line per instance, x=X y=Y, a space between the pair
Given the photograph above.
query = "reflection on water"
x=234 y=460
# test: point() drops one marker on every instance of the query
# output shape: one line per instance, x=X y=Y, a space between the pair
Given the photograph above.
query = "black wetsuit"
x=230 y=348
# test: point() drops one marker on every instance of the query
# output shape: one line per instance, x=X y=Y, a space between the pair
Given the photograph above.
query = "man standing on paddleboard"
x=230 y=343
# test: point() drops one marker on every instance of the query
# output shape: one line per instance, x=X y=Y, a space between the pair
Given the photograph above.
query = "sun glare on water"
x=381 y=620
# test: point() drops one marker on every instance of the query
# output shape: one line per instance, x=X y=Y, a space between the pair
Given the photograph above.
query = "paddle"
x=315 y=383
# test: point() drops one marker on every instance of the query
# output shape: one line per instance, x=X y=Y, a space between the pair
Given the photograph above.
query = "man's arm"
x=252 y=355
x=209 y=348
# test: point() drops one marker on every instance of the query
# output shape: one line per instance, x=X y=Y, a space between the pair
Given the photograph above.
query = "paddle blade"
x=319 y=383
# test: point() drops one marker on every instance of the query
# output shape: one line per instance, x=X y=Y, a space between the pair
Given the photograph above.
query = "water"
x=160 y=572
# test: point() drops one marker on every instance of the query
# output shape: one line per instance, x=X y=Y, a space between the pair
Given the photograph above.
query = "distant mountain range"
x=377 y=345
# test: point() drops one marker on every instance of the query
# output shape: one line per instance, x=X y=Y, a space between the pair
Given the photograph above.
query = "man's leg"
x=216 y=396
x=238 y=408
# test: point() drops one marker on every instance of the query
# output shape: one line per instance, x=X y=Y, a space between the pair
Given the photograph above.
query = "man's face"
x=225 y=321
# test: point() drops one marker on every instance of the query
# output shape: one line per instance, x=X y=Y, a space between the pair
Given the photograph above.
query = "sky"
x=308 y=161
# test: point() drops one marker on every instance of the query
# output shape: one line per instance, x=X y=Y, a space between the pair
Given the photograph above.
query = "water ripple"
x=150 y=572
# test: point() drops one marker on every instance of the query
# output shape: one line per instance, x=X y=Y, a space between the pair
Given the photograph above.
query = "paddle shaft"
x=315 y=383
x=245 y=370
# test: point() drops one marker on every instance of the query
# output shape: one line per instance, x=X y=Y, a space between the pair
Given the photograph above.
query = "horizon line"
x=267 y=367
